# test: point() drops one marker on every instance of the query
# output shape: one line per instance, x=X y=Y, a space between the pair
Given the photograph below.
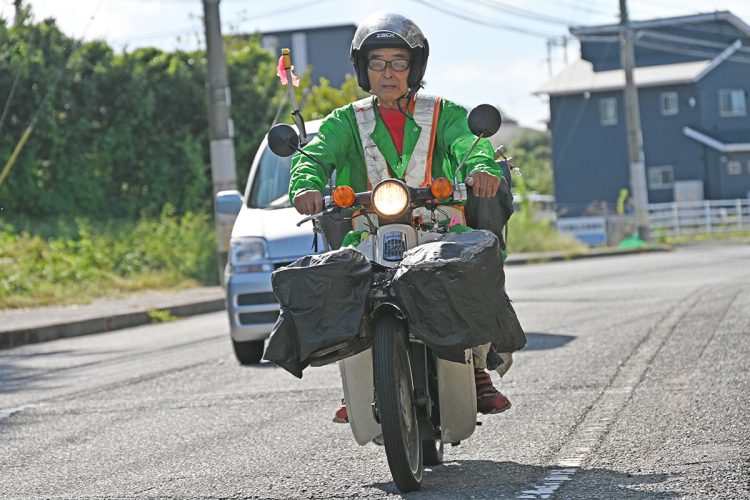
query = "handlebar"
x=420 y=197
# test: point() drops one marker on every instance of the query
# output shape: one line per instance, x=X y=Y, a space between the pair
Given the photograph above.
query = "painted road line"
x=609 y=404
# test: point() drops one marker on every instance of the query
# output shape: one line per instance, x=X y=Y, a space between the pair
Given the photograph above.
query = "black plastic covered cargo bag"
x=453 y=294
x=322 y=299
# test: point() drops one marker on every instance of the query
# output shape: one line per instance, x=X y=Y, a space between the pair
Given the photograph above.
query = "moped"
x=399 y=392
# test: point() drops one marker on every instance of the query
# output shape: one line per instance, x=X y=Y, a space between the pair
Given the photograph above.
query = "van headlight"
x=390 y=198
x=249 y=255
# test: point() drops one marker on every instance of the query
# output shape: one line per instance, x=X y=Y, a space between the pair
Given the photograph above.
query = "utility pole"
x=223 y=170
x=18 y=4
x=636 y=157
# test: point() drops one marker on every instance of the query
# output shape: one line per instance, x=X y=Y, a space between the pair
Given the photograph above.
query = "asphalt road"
x=635 y=384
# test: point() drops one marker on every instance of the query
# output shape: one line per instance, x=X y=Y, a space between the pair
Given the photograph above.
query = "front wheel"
x=394 y=396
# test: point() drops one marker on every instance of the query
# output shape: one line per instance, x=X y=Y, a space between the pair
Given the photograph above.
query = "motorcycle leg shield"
x=458 y=399
x=359 y=390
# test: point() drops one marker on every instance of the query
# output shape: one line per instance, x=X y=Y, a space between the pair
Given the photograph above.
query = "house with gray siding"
x=325 y=48
x=693 y=79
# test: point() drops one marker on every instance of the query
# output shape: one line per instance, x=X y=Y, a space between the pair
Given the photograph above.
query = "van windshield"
x=271 y=183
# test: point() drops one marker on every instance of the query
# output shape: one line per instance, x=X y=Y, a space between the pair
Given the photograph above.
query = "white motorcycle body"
x=456 y=387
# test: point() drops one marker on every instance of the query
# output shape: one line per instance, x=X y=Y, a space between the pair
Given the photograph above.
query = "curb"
x=87 y=326
x=543 y=257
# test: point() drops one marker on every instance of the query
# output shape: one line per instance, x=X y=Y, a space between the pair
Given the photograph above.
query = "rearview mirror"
x=283 y=140
x=484 y=120
x=228 y=202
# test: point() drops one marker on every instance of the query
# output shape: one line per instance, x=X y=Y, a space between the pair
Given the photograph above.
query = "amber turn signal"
x=343 y=196
x=441 y=188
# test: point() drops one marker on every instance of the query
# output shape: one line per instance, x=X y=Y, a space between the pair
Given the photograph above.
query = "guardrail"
x=698 y=217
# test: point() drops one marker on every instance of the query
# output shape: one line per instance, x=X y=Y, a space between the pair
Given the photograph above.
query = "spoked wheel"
x=394 y=392
x=433 y=451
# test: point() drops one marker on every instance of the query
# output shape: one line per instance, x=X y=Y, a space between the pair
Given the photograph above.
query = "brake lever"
x=325 y=211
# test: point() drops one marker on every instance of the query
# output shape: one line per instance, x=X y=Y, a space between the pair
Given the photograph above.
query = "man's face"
x=388 y=85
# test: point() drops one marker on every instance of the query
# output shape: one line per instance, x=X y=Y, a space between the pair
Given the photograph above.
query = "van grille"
x=254 y=299
x=259 y=318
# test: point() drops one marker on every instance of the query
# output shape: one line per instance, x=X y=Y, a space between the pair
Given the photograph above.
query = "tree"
x=123 y=135
x=323 y=98
x=531 y=151
x=120 y=135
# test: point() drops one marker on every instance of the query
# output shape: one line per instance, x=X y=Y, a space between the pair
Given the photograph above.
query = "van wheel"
x=248 y=353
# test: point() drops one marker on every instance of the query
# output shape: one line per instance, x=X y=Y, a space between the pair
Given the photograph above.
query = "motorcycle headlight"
x=390 y=198
x=249 y=255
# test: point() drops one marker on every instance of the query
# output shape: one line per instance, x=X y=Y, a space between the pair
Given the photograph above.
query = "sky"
x=481 y=51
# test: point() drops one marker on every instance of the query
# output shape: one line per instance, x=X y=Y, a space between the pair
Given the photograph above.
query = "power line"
x=168 y=1
x=482 y=22
x=248 y=17
x=687 y=40
x=663 y=5
x=576 y=6
x=527 y=14
x=274 y=12
x=688 y=46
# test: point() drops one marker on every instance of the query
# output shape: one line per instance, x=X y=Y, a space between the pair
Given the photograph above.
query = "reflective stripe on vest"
x=419 y=169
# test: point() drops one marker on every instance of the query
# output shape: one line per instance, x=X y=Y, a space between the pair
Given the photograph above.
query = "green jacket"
x=337 y=146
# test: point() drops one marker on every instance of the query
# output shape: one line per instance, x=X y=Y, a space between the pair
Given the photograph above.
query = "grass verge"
x=527 y=233
x=44 y=263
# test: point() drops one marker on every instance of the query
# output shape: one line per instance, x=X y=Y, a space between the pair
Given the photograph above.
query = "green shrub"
x=526 y=234
x=79 y=261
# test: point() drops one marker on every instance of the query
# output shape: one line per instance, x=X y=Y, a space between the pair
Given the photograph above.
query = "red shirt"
x=395 y=121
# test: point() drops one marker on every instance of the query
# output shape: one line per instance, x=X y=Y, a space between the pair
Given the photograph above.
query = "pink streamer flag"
x=281 y=73
x=455 y=220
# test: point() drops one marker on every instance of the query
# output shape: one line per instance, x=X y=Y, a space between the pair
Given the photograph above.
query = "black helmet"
x=381 y=30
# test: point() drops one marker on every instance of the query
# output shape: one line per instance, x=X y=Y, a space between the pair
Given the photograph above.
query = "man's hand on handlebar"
x=483 y=184
x=308 y=202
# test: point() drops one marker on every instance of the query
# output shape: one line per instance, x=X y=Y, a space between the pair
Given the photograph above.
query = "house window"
x=669 y=103
x=660 y=177
x=734 y=167
x=608 y=111
x=732 y=102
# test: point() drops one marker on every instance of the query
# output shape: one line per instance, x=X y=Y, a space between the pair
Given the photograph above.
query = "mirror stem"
x=300 y=122
x=471 y=150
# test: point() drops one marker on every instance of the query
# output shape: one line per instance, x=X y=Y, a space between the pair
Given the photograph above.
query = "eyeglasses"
x=380 y=64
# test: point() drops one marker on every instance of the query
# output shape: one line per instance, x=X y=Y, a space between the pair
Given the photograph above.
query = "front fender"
x=385 y=307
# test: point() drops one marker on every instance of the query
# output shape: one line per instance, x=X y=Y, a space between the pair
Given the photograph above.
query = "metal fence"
x=698 y=217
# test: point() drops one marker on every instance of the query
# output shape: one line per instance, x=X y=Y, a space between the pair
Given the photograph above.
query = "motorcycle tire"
x=394 y=395
x=432 y=450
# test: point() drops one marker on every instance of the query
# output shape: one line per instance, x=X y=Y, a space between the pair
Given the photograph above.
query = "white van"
x=265 y=237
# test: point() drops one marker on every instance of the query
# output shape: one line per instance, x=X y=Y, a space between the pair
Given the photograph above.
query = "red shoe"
x=489 y=399
x=341 y=416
